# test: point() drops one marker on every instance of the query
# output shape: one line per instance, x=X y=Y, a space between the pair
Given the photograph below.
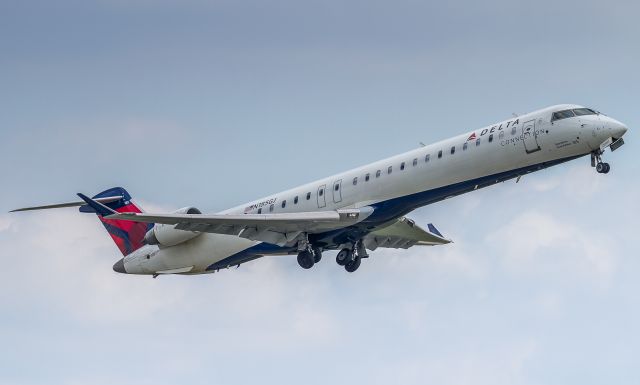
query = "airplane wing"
x=404 y=233
x=279 y=229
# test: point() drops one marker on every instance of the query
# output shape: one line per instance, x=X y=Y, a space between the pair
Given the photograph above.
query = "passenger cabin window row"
x=564 y=114
x=367 y=176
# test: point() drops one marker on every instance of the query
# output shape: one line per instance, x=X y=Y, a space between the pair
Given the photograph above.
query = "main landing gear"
x=351 y=258
x=309 y=257
x=596 y=161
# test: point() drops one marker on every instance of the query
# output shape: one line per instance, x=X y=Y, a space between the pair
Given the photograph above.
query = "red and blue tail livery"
x=128 y=236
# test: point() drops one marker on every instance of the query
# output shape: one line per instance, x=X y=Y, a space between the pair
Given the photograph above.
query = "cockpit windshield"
x=571 y=113
x=584 y=111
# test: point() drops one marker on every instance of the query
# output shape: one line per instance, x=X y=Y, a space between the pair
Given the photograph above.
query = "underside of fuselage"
x=384 y=213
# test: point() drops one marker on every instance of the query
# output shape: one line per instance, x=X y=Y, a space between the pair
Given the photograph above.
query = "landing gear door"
x=321 y=196
x=530 y=137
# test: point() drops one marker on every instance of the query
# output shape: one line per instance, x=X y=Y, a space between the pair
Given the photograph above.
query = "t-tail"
x=127 y=235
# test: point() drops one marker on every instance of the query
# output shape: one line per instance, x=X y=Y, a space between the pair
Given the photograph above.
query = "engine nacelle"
x=167 y=235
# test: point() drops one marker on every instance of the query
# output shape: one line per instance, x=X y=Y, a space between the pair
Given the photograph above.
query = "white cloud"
x=531 y=239
x=5 y=223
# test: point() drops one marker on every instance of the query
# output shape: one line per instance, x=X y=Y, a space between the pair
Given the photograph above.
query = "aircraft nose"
x=617 y=129
x=118 y=267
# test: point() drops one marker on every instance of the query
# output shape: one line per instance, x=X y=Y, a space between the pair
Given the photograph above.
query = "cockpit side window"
x=584 y=111
x=562 y=115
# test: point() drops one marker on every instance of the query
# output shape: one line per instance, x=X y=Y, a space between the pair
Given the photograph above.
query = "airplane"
x=356 y=211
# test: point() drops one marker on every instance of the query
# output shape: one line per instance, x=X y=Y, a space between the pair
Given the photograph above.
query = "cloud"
x=5 y=222
x=538 y=242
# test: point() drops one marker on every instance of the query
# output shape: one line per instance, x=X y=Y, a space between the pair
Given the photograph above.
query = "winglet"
x=97 y=206
x=433 y=230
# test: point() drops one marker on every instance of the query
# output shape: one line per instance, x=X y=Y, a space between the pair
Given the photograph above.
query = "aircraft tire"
x=343 y=256
x=317 y=254
x=305 y=259
x=607 y=168
x=353 y=265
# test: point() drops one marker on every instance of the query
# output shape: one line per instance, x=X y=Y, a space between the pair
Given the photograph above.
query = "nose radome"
x=118 y=267
x=619 y=129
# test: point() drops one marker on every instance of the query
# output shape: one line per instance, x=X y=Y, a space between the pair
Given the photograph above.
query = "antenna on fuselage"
x=514 y=114
x=422 y=144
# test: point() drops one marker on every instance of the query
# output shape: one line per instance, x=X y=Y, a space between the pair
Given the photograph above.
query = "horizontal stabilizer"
x=98 y=207
x=102 y=200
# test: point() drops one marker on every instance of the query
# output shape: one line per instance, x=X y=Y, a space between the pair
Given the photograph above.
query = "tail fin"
x=128 y=236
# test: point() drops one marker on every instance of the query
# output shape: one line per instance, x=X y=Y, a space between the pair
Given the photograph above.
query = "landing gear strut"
x=596 y=161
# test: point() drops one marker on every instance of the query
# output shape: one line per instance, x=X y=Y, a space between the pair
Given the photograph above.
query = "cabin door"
x=529 y=137
x=322 y=192
x=337 y=191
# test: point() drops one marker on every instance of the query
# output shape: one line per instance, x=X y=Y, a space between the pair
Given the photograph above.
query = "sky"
x=216 y=103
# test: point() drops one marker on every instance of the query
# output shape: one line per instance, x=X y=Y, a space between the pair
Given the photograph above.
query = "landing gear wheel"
x=607 y=168
x=352 y=266
x=343 y=257
x=600 y=167
x=317 y=254
x=305 y=259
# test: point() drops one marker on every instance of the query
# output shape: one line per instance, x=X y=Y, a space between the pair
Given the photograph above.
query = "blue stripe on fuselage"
x=384 y=212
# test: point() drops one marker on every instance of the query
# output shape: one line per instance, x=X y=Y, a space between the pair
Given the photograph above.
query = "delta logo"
x=494 y=129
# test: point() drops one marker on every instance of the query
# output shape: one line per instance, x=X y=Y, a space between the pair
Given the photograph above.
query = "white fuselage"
x=508 y=148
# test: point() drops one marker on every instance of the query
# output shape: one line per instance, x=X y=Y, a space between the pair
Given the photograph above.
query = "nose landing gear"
x=603 y=168
x=596 y=161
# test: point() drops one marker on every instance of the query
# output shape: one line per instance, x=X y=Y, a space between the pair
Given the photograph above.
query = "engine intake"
x=168 y=235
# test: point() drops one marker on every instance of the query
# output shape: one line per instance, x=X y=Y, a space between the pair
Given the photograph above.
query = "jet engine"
x=167 y=235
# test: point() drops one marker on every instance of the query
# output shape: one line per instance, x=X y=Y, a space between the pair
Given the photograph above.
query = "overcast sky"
x=215 y=103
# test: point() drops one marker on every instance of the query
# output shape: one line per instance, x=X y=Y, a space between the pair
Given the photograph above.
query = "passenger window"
x=295 y=200
x=501 y=135
x=355 y=181
x=260 y=210
x=415 y=162
x=321 y=192
x=513 y=130
x=490 y=138
x=366 y=178
x=402 y=166
x=464 y=146
x=284 y=203
x=308 y=195
x=336 y=187
x=439 y=154
x=378 y=173
x=477 y=142
x=271 y=208
x=453 y=150
x=389 y=170
x=426 y=158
